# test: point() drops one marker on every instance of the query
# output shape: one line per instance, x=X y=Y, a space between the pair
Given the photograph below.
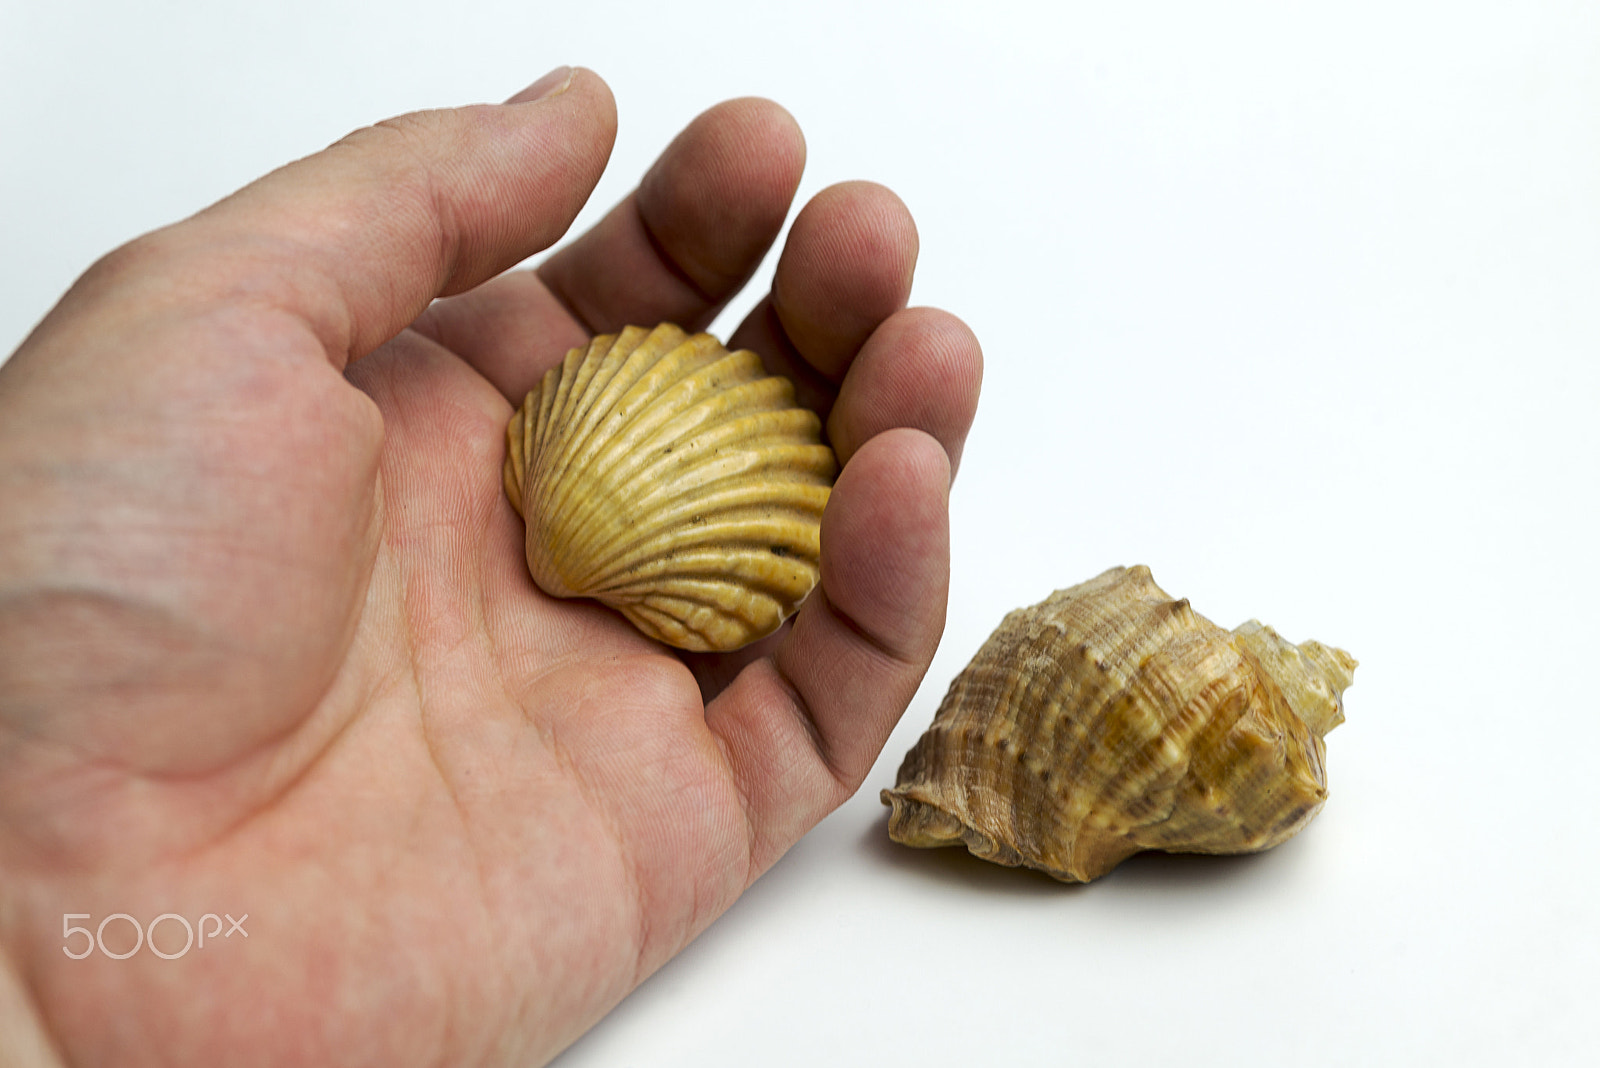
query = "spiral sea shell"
x=673 y=480
x=1110 y=719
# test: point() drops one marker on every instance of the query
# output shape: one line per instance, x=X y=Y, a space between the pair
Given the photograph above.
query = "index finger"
x=359 y=238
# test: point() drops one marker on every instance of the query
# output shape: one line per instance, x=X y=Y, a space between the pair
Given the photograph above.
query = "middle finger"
x=676 y=250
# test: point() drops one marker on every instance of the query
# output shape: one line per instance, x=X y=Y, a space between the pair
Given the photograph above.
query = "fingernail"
x=553 y=84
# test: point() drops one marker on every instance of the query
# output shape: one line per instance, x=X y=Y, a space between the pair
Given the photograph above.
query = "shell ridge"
x=614 y=433
x=605 y=457
x=719 y=391
x=768 y=527
x=785 y=467
x=1104 y=658
x=701 y=625
x=1100 y=658
x=658 y=376
x=542 y=429
x=576 y=402
x=568 y=374
x=715 y=600
x=623 y=368
x=552 y=483
x=664 y=627
x=591 y=390
x=793 y=501
x=725 y=442
x=782 y=580
x=1041 y=682
x=1143 y=789
x=1170 y=649
x=581 y=394
x=538 y=417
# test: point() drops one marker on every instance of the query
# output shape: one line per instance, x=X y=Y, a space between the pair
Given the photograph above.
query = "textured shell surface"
x=1110 y=719
x=675 y=481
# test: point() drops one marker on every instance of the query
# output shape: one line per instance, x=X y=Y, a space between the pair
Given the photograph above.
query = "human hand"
x=268 y=645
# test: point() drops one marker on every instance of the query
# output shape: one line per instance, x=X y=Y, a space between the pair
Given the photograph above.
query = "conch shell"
x=1110 y=719
x=673 y=480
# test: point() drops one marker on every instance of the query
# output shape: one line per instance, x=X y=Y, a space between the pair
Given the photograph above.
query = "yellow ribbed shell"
x=673 y=480
x=1110 y=719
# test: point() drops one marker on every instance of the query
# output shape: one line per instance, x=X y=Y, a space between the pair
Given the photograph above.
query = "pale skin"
x=268 y=645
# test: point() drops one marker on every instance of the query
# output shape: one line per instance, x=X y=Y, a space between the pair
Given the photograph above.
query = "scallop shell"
x=1110 y=719
x=673 y=480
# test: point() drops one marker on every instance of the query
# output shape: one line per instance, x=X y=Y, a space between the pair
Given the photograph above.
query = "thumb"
x=359 y=238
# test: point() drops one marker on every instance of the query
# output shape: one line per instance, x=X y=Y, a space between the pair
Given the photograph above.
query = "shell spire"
x=673 y=480
x=1110 y=719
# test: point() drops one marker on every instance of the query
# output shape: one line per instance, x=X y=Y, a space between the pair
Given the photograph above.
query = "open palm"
x=268 y=646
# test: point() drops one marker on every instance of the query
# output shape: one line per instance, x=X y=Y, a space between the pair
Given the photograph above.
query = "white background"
x=1296 y=304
